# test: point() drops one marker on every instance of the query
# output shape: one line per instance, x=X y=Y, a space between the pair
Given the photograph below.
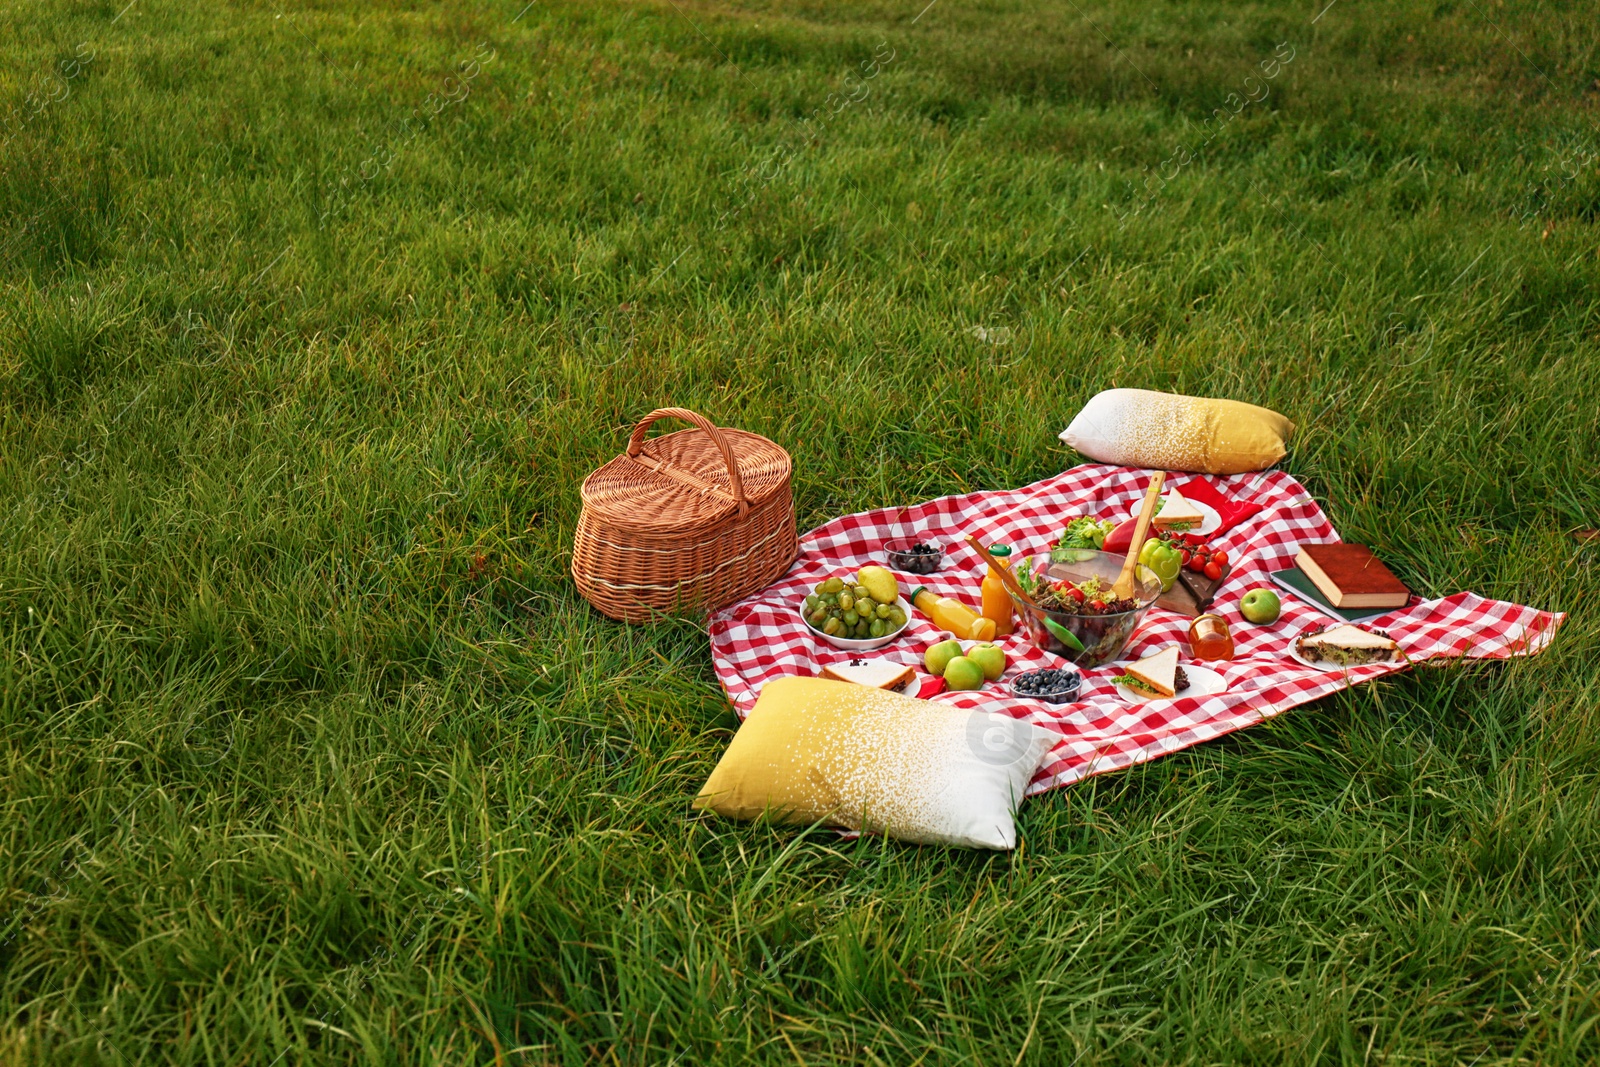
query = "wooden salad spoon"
x=1123 y=586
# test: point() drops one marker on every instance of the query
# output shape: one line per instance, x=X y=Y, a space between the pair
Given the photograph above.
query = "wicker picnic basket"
x=690 y=521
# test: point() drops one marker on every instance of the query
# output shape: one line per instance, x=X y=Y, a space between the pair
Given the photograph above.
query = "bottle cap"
x=1000 y=550
x=917 y=592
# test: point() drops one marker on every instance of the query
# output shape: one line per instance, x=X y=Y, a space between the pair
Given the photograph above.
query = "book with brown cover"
x=1350 y=576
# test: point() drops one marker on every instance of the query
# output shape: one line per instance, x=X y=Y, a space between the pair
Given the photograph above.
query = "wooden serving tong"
x=1123 y=586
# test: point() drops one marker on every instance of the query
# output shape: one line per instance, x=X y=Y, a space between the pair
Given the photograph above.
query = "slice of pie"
x=877 y=673
x=1157 y=675
x=1177 y=513
x=1347 y=646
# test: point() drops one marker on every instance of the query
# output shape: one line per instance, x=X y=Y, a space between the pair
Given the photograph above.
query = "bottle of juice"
x=948 y=613
x=996 y=601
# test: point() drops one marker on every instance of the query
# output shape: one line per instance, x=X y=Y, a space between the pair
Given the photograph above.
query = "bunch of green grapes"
x=841 y=610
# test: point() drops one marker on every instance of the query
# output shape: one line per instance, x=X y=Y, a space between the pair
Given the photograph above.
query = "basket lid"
x=683 y=480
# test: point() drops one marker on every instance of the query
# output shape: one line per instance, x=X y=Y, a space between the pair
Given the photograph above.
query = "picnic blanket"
x=763 y=637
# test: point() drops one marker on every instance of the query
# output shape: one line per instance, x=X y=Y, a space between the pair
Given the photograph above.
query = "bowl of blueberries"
x=913 y=557
x=1051 y=685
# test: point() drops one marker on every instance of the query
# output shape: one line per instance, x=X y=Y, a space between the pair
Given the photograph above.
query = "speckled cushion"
x=1166 y=431
x=865 y=759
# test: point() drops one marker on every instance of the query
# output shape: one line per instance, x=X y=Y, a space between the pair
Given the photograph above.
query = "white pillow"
x=866 y=759
x=1168 y=431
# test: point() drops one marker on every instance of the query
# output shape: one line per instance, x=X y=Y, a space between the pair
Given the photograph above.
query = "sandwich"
x=877 y=673
x=1177 y=514
x=1156 y=676
x=1347 y=646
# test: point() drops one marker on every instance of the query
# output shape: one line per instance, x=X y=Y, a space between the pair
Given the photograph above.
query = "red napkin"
x=1231 y=512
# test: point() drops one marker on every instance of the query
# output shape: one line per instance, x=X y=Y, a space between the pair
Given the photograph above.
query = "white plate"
x=1294 y=654
x=1203 y=682
x=853 y=644
x=1211 y=523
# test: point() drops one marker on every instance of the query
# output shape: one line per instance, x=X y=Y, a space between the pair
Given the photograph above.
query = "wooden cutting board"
x=1192 y=593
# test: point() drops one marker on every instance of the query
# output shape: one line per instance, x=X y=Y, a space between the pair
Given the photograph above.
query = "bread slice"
x=1157 y=673
x=1176 y=511
x=877 y=673
x=1347 y=646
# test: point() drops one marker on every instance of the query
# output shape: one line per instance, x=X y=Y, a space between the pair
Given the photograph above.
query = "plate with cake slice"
x=1179 y=514
x=1159 y=677
x=1338 y=648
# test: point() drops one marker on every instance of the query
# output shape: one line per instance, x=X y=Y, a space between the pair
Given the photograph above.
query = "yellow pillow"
x=1166 y=431
x=866 y=759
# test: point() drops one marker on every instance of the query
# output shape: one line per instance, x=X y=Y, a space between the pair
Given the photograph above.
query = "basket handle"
x=636 y=443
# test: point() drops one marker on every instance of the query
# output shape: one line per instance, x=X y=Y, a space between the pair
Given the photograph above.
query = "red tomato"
x=1183 y=559
x=1076 y=594
x=1214 y=571
x=1219 y=558
x=1098 y=605
x=1197 y=563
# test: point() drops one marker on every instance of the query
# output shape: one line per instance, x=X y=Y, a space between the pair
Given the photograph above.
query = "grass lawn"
x=313 y=315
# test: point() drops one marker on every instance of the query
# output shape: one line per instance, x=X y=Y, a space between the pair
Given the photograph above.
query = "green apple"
x=992 y=658
x=937 y=658
x=1260 y=606
x=963 y=673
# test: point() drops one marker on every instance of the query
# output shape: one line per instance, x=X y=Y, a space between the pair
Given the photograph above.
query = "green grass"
x=311 y=753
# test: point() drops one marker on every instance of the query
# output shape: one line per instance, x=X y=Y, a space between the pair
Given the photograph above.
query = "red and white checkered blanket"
x=763 y=637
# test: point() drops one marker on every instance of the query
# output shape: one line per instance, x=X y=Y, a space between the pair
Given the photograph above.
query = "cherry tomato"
x=1214 y=571
x=1098 y=605
x=1197 y=563
x=1184 y=557
x=1219 y=558
x=1076 y=594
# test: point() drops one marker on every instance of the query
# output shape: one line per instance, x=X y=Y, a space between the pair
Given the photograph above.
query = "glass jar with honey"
x=1209 y=638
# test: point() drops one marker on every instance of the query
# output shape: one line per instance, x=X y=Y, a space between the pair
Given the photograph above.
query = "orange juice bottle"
x=996 y=601
x=948 y=613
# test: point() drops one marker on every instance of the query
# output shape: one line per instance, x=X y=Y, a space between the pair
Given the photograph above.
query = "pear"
x=880 y=583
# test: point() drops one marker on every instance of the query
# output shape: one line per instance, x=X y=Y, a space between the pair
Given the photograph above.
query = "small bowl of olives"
x=847 y=617
x=913 y=557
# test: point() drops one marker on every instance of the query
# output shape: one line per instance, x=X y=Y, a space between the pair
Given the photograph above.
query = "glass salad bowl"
x=1088 y=640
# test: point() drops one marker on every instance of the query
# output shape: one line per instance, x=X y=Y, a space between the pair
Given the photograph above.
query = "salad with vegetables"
x=1082 y=619
x=1082 y=535
x=1093 y=596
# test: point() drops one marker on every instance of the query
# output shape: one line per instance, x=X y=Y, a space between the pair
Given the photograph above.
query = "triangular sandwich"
x=1158 y=675
x=1176 y=511
x=1347 y=646
x=877 y=673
